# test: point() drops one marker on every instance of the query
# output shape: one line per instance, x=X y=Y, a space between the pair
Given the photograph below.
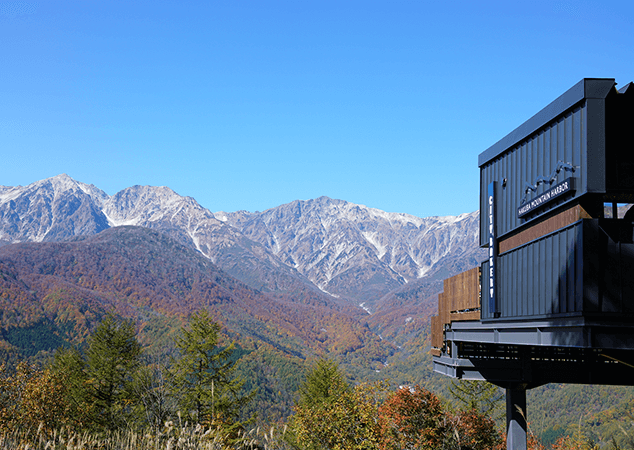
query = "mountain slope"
x=382 y=269
x=358 y=252
x=141 y=273
x=59 y=208
x=51 y=210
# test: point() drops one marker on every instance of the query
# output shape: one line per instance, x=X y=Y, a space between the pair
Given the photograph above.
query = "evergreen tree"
x=69 y=365
x=99 y=384
x=332 y=415
x=111 y=361
x=325 y=382
x=202 y=376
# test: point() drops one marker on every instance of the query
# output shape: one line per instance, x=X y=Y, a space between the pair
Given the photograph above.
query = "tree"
x=111 y=361
x=31 y=397
x=476 y=430
x=68 y=364
x=345 y=421
x=412 y=418
x=325 y=382
x=99 y=383
x=202 y=376
x=332 y=415
x=154 y=405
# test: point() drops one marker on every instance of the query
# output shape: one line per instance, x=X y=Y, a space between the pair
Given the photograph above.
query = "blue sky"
x=249 y=104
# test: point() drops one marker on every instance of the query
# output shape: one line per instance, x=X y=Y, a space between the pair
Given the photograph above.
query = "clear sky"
x=249 y=104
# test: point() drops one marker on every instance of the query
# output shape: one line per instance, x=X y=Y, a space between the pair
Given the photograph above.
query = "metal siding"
x=543 y=277
x=516 y=273
x=555 y=269
x=577 y=137
x=582 y=159
x=516 y=189
x=508 y=170
x=627 y=285
x=572 y=276
x=537 y=156
x=543 y=164
x=515 y=298
x=580 y=255
x=548 y=144
x=563 y=272
x=543 y=283
x=561 y=139
x=524 y=281
x=568 y=132
x=595 y=145
x=612 y=278
x=504 y=291
x=531 y=279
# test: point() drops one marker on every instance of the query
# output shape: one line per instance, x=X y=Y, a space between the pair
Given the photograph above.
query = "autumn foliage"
x=332 y=415
x=412 y=418
x=30 y=396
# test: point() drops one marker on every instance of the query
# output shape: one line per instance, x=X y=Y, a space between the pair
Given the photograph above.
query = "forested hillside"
x=263 y=289
x=54 y=294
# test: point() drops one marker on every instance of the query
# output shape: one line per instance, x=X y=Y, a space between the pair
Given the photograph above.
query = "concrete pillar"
x=516 y=417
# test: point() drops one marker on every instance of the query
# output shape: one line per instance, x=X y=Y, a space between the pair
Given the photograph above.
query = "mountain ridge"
x=320 y=277
x=376 y=263
x=344 y=249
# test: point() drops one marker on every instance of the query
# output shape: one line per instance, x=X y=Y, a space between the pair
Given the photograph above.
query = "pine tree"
x=99 y=383
x=111 y=361
x=202 y=376
x=325 y=382
x=69 y=365
x=330 y=414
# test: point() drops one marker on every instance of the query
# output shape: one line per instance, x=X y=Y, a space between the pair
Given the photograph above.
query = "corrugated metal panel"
x=582 y=269
x=588 y=88
x=538 y=156
x=540 y=278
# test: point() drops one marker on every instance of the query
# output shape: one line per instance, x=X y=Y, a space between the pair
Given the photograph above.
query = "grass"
x=170 y=438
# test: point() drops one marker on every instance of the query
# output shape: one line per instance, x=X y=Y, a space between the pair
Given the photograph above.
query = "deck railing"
x=459 y=301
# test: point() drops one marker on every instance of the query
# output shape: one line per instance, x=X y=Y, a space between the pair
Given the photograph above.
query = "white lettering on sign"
x=549 y=195
x=492 y=251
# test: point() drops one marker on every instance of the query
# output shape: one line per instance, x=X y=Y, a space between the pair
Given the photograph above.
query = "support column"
x=516 y=417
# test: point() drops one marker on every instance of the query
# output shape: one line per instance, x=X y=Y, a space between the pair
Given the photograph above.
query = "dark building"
x=554 y=301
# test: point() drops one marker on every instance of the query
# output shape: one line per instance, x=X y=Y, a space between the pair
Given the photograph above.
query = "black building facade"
x=554 y=301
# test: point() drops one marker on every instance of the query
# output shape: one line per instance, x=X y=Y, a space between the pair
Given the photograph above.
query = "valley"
x=309 y=279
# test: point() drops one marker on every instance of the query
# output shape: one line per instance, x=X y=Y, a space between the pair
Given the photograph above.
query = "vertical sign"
x=492 y=294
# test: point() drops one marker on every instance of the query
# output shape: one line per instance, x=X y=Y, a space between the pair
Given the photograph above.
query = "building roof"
x=585 y=89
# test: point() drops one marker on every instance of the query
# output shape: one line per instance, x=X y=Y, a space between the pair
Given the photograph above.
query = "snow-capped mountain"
x=184 y=219
x=50 y=210
x=355 y=251
x=347 y=250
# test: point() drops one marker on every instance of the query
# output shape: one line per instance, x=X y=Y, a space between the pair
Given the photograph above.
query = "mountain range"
x=311 y=277
x=320 y=277
x=348 y=251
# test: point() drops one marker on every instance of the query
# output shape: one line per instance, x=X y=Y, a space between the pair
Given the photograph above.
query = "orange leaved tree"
x=412 y=418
